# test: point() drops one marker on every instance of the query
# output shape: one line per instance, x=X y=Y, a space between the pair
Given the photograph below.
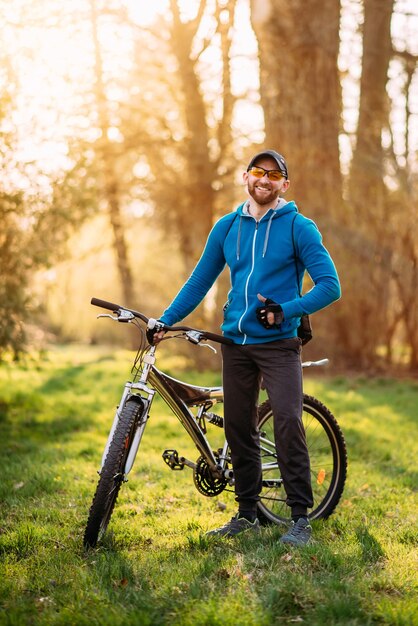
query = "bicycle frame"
x=164 y=385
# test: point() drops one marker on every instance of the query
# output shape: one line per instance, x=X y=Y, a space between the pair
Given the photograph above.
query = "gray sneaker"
x=234 y=527
x=298 y=534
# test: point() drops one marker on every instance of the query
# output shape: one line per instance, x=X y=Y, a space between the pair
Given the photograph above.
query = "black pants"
x=279 y=364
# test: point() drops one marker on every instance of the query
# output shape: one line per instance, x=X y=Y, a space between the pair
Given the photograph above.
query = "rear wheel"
x=328 y=460
x=112 y=473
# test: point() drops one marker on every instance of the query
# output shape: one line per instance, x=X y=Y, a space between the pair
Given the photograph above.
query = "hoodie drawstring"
x=266 y=238
x=280 y=205
x=239 y=237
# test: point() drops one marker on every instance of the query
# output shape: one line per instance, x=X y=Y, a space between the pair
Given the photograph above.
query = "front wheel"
x=328 y=460
x=112 y=473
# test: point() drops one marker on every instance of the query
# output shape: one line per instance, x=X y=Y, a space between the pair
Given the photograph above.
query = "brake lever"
x=207 y=345
x=112 y=317
x=195 y=337
x=122 y=316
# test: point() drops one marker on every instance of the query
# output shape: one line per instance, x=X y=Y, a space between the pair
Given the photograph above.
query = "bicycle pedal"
x=171 y=458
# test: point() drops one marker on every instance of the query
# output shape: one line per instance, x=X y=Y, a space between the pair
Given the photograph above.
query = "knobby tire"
x=112 y=473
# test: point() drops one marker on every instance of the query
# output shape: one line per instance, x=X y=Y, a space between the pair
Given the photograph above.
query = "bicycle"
x=192 y=404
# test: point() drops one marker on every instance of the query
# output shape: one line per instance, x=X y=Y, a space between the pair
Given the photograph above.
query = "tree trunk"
x=366 y=180
x=367 y=293
x=300 y=94
x=111 y=186
x=196 y=181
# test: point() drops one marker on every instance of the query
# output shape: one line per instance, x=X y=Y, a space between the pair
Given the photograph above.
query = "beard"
x=262 y=193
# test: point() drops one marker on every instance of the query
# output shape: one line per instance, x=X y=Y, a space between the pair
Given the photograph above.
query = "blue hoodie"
x=260 y=257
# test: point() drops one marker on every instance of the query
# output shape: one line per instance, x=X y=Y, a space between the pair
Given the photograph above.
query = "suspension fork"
x=125 y=394
x=141 y=385
x=146 y=400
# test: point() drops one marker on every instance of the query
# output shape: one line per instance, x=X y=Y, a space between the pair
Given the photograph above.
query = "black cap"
x=281 y=163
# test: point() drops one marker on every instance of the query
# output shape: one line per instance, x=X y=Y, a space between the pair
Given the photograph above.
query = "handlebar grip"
x=105 y=305
x=218 y=338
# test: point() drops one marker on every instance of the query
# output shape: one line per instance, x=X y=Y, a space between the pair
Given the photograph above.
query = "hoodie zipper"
x=247 y=282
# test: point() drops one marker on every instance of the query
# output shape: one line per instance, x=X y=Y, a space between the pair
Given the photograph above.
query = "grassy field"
x=155 y=566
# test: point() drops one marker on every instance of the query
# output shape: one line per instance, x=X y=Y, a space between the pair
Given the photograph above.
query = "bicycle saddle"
x=191 y=394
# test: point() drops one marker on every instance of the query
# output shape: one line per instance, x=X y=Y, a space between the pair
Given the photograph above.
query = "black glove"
x=270 y=307
x=150 y=332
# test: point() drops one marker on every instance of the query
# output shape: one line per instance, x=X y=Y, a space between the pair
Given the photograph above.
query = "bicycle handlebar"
x=111 y=306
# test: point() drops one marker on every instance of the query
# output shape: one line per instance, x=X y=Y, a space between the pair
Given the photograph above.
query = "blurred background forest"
x=125 y=126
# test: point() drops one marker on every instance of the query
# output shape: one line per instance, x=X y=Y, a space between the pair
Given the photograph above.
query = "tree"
x=35 y=229
x=300 y=95
x=108 y=155
x=370 y=248
x=177 y=136
x=403 y=314
x=192 y=154
x=13 y=276
x=382 y=276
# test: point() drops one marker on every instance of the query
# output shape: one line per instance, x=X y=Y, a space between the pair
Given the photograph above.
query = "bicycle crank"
x=208 y=482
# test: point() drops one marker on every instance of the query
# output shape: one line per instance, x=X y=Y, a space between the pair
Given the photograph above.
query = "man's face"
x=263 y=190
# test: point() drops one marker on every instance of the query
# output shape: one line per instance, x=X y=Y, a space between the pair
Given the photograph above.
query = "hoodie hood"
x=281 y=209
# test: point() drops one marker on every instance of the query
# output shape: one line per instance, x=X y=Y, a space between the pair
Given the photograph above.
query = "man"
x=261 y=316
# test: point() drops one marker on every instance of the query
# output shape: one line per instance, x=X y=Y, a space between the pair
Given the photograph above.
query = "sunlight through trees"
x=126 y=126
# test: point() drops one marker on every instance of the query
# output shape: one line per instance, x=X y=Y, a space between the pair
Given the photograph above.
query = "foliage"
x=34 y=234
x=39 y=209
x=156 y=566
x=13 y=276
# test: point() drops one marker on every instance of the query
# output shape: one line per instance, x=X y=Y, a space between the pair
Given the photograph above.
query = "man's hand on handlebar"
x=158 y=337
x=154 y=332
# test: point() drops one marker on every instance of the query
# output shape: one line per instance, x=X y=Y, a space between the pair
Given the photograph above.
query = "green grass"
x=155 y=566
